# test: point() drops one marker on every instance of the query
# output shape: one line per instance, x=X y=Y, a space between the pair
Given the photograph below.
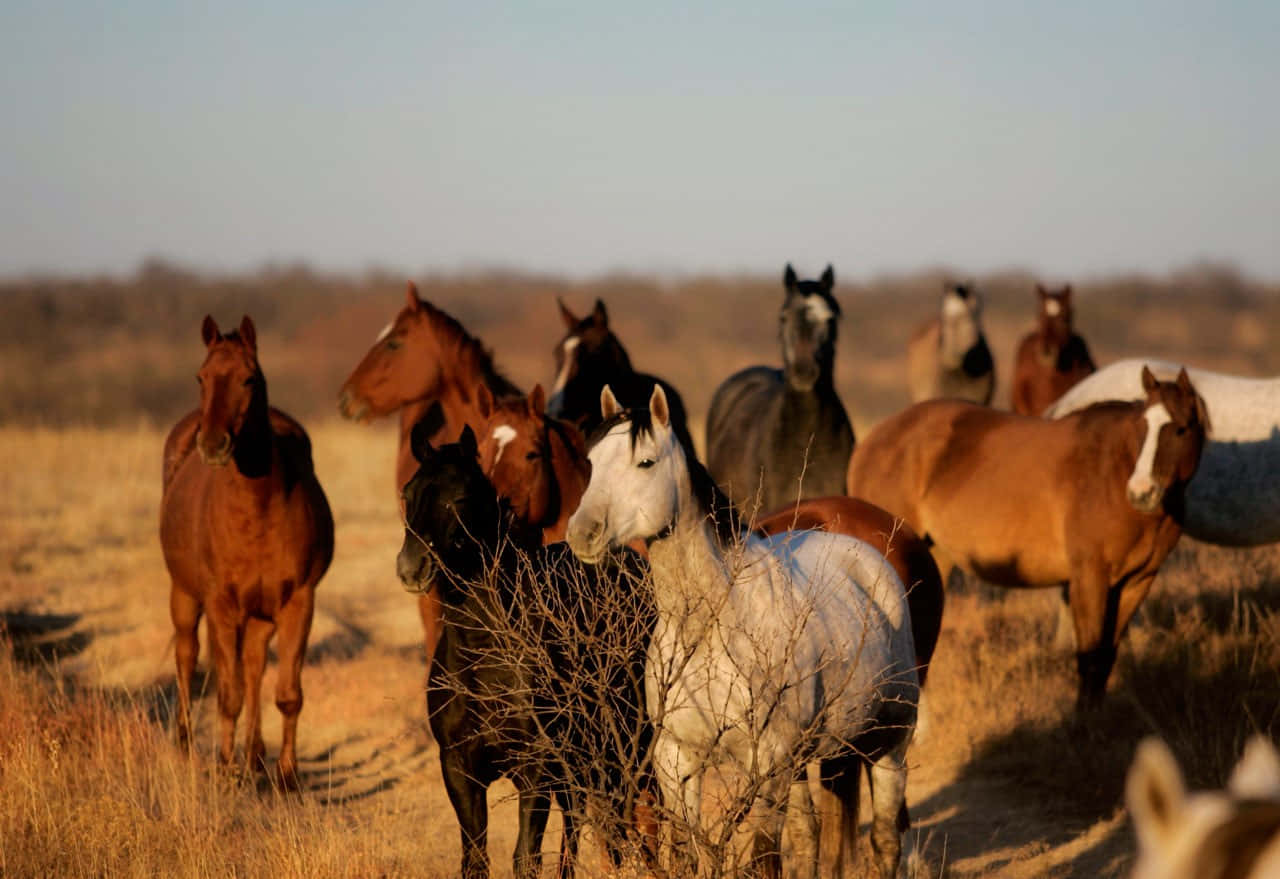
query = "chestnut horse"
x=1050 y=359
x=424 y=365
x=536 y=462
x=247 y=534
x=1094 y=500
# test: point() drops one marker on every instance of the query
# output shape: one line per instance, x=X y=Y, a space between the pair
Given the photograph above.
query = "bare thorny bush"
x=578 y=646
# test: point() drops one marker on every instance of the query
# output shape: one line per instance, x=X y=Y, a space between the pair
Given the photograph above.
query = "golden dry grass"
x=1007 y=783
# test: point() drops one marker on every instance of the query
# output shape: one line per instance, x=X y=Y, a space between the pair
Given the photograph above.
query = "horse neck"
x=254 y=453
x=1053 y=336
x=463 y=364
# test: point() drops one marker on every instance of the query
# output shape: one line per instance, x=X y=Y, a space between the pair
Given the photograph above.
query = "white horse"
x=1227 y=834
x=768 y=654
x=1234 y=498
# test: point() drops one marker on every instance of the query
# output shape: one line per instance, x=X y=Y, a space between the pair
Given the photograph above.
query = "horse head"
x=452 y=514
x=403 y=365
x=961 y=321
x=1233 y=832
x=233 y=391
x=1176 y=423
x=807 y=328
x=1055 y=318
x=638 y=467
x=586 y=357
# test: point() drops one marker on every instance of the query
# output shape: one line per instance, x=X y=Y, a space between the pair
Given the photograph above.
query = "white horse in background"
x=768 y=653
x=1234 y=498
x=1227 y=834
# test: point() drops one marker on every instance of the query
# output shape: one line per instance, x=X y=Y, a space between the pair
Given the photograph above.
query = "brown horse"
x=894 y=539
x=1094 y=500
x=426 y=366
x=246 y=533
x=538 y=463
x=1051 y=358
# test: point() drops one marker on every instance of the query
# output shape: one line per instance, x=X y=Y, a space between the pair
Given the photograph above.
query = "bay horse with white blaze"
x=775 y=436
x=532 y=677
x=1050 y=359
x=769 y=653
x=1094 y=501
x=427 y=367
x=247 y=534
x=590 y=356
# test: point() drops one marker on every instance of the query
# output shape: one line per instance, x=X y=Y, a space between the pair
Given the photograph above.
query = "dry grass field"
x=1008 y=783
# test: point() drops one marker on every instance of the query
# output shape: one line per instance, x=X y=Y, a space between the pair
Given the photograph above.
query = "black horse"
x=778 y=435
x=520 y=684
x=590 y=357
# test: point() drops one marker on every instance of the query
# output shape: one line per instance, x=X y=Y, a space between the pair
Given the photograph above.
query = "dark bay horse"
x=1050 y=359
x=1094 y=500
x=777 y=435
x=247 y=534
x=427 y=367
x=538 y=674
x=538 y=463
x=588 y=357
x=948 y=357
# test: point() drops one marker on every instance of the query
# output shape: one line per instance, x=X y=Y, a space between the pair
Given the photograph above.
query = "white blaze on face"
x=566 y=364
x=1142 y=482
x=819 y=311
x=954 y=307
x=386 y=331
x=503 y=434
x=1052 y=307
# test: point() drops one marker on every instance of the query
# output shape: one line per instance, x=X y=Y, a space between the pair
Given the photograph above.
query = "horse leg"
x=224 y=637
x=570 y=808
x=185 y=611
x=841 y=778
x=889 y=809
x=1093 y=611
x=256 y=635
x=294 y=622
x=535 y=806
x=1064 y=635
x=766 y=847
x=802 y=825
x=679 y=773
x=1132 y=594
x=467 y=795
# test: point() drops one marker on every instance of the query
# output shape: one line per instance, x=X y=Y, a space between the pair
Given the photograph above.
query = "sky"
x=581 y=138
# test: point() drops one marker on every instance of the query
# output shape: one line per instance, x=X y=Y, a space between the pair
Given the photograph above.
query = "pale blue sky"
x=581 y=137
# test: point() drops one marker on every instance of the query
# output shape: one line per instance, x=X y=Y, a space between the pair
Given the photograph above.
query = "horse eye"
x=248 y=382
x=392 y=344
x=646 y=463
x=531 y=456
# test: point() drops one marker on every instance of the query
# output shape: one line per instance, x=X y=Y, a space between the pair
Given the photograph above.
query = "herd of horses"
x=782 y=602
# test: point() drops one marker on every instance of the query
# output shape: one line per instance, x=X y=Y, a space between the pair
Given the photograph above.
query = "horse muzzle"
x=214 y=454
x=414 y=567
x=587 y=540
x=1145 y=497
x=352 y=407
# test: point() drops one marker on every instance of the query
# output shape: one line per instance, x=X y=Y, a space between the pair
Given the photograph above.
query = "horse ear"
x=1155 y=794
x=537 y=400
x=828 y=279
x=1066 y=292
x=209 y=330
x=1184 y=381
x=599 y=316
x=467 y=439
x=1041 y=290
x=1149 y=382
x=412 y=299
x=248 y=333
x=789 y=278
x=484 y=401
x=570 y=320
x=609 y=405
x=420 y=441
x=1257 y=775
x=658 y=406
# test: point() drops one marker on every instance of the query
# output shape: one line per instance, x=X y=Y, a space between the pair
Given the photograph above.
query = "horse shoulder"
x=180 y=443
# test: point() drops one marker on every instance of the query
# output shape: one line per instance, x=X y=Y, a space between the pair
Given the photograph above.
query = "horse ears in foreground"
x=537 y=400
x=209 y=330
x=484 y=401
x=1155 y=794
x=248 y=333
x=412 y=300
x=569 y=318
x=467 y=439
x=789 y=277
x=599 y=316
x=609 y=405
x=828 y=279
x=1149 y=382
x=420 y=441
x=658 y=406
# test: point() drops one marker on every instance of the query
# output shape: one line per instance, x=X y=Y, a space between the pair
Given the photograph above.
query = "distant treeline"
x=104 y=350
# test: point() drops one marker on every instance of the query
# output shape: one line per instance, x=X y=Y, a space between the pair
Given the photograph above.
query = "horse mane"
x=724 y=516
x=471 y=348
